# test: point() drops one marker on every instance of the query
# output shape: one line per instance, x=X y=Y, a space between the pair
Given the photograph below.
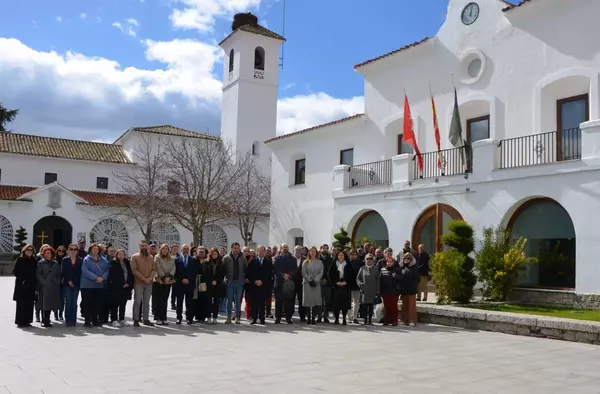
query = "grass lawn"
x=578 y=314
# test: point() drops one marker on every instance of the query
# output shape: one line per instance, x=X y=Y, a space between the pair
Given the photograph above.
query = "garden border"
x=511 y=323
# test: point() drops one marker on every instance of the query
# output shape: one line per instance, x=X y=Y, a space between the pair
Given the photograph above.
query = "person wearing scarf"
x=409 y=282
x=48 y=277
x=165 y=274
x=368 y=283
x=338 y=274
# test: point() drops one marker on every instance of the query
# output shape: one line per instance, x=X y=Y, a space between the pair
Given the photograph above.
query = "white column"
x=340 y=177
x=401 y=169
x=590 y=139
x=485 y=157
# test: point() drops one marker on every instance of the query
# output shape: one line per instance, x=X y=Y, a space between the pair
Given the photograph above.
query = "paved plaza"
x=285 y=359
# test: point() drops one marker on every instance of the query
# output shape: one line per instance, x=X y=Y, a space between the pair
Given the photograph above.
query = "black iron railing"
x=542 y=148
x=453 y=161
x=370 y=174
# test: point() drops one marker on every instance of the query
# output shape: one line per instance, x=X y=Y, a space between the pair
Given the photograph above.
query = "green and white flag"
x=456 y=135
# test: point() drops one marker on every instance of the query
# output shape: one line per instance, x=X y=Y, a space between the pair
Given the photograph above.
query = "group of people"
x=205 y=282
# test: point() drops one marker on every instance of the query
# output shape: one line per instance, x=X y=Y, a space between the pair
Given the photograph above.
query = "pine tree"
x=20 y=238
x=341 y=239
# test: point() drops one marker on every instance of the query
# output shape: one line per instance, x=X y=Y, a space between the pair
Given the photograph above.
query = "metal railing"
x=454 y=161
x=542 y=148
x=370 y=174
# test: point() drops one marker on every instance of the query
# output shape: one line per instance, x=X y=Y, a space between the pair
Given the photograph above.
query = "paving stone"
x=251 y=360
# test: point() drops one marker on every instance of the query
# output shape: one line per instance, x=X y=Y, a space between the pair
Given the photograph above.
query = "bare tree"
x=145 y=185
x=203 y=173
x=249 y=205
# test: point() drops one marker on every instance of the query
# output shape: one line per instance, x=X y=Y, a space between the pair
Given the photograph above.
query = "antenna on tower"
x=283 y=34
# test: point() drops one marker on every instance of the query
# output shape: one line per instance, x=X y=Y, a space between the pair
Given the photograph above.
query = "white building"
x=63 y=190
x=529 y=93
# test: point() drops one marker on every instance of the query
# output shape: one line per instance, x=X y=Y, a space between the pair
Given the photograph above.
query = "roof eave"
x=314 y=128
x=262 y=35
x=376 y=60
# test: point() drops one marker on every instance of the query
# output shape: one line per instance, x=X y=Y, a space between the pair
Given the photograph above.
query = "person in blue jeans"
x=71 y=277
x=236 y=278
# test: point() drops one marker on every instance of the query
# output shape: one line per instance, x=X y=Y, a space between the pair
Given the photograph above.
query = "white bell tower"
x=250 y=83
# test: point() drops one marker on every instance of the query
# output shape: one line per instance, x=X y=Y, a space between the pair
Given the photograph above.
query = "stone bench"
x=511 y=323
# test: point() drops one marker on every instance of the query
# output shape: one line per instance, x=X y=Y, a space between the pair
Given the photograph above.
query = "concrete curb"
x=511 y=323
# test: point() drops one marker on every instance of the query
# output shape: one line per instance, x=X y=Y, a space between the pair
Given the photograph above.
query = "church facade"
x=528 y=94
x=62 y=191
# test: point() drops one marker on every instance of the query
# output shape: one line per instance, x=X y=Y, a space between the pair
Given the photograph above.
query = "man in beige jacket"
x=144 y=271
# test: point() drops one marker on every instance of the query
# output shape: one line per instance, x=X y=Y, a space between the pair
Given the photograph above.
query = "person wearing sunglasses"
x=71 y=277
x=25 y=271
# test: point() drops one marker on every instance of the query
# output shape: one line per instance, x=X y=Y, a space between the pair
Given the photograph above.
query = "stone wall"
x=565 y=298
x=511 y=323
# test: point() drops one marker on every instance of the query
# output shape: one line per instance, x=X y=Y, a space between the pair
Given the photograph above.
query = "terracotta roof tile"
x=103 y=199
x=12 y=193
x=280 y=137
x=36 y=145
x=404 y=48
x=512 y=6
x=256 y=29
x=173 y=131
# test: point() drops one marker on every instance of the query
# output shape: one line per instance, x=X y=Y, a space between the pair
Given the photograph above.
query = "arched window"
x=6 y=235
x=111 y=232
x=231 y=60
x=259 y=59
x=431 y=225
x=371 y=226
x=550 y=235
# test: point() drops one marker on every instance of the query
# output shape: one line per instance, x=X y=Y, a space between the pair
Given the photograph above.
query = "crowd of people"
x=204 y=283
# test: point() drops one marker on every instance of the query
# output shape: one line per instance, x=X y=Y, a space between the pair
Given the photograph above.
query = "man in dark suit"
x=285 y=268
x=260 y=283
x=186 y=271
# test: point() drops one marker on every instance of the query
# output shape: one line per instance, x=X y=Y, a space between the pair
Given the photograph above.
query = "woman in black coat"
x=120 y=285
x=214 y=272
x=25 y=271
x=339 y=274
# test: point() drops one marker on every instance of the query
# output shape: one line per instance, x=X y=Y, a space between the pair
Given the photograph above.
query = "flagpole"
x=465 y=156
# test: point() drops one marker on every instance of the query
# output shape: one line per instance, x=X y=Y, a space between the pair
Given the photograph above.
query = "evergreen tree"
x=20 y=238
x=460 y=238
x=342 y=240
x=6 y=116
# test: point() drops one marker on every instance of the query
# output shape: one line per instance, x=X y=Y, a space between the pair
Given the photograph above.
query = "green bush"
x=500 y=261
x=490 y=259
x=452 y=269
x=446 y=270
x=342 y=240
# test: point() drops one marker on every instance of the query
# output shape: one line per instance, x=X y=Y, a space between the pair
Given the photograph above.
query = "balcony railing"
x=454 y=161
x=542 y=148
x=370 y=174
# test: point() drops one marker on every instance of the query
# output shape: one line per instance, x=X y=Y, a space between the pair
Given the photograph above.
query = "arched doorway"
x=550 y=235
x=52 y=230
x=371 y=226
x=432 y=224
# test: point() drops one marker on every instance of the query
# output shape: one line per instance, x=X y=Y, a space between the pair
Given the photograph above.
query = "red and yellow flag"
x=436 y=129
x=408 y=133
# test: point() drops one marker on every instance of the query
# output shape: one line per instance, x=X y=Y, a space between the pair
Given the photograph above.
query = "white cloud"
x=300 y=112
x=201 y=14
x=59 y=19
x=83 y=15
x=77 y=96
x=128 y=26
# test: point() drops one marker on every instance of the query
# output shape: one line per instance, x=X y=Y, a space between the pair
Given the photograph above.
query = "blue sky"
x=325 y=38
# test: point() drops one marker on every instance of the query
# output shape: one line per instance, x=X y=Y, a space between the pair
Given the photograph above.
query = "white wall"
x=249 y=108
x=525 y=51
x=74 y=174
x=309 y=207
